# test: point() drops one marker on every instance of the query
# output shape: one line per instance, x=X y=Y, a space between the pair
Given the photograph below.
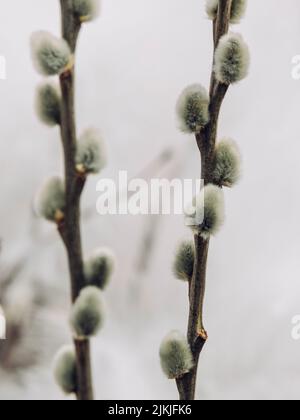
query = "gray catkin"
x=212 y=8
x=91 y=154
x=51 y=55
x=193 y=109
x=48 y=103
x=65 y=370
x=227 y=170
x=87 y=314
x=238 y=11
x=86 y=10
x=99 y=268
x=206 y=215
x=184 y=261
x=232 y=59
x=51 y=199
x=175 y=355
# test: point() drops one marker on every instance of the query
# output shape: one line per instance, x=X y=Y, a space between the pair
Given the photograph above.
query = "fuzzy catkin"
x=175 y=355
x=238 y=10
x=213 y=211
x=206 y=216
x=232 y=59
x=91 y=154
x=99 y=268
x=193 y=109
x=51 y=200
x=51 y=55
x=65 y=370
x=212 y=8
x=86 y=10
x=48 y=104
x=184 y=261
x=87 y=314
x=227 y=169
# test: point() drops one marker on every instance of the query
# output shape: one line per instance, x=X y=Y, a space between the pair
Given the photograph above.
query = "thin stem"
x=196 y=326
x=197 y=335
x=206 y=141
x=74 y=184
x=85 y=386
x=223 y=19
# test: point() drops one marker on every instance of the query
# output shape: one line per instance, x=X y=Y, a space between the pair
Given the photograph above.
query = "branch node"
x=69 y=68
x=203 y=334
x=81 y=171
x=59 y=217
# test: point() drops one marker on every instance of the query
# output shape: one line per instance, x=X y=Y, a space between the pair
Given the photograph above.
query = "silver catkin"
x=193 y=109
x=232 y=59
x=48 y=103
x=184 y=261
x=65 y=370
x=87 y=314
x=51 y=55
x=175 y=355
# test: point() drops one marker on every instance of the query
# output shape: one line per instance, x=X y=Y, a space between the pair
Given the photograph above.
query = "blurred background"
x=132 y=64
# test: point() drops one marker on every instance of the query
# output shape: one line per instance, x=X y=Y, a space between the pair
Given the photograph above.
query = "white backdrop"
x=132 y=64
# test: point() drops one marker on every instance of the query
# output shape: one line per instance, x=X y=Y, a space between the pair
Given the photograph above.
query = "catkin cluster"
x=52 y=56
x=231 y=65
x=87 y=315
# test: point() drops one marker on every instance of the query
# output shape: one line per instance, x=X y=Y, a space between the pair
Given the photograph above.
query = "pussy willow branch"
x=206 y=141
x=74 y=184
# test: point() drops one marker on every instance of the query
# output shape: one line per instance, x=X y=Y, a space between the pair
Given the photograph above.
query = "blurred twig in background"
x=19 y=350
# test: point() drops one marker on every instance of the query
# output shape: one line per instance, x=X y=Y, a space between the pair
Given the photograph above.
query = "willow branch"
x=74 y=184
x=206 y=141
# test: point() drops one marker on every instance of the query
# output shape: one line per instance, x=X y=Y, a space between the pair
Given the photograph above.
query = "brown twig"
x=74 y=184
x=206 y=141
